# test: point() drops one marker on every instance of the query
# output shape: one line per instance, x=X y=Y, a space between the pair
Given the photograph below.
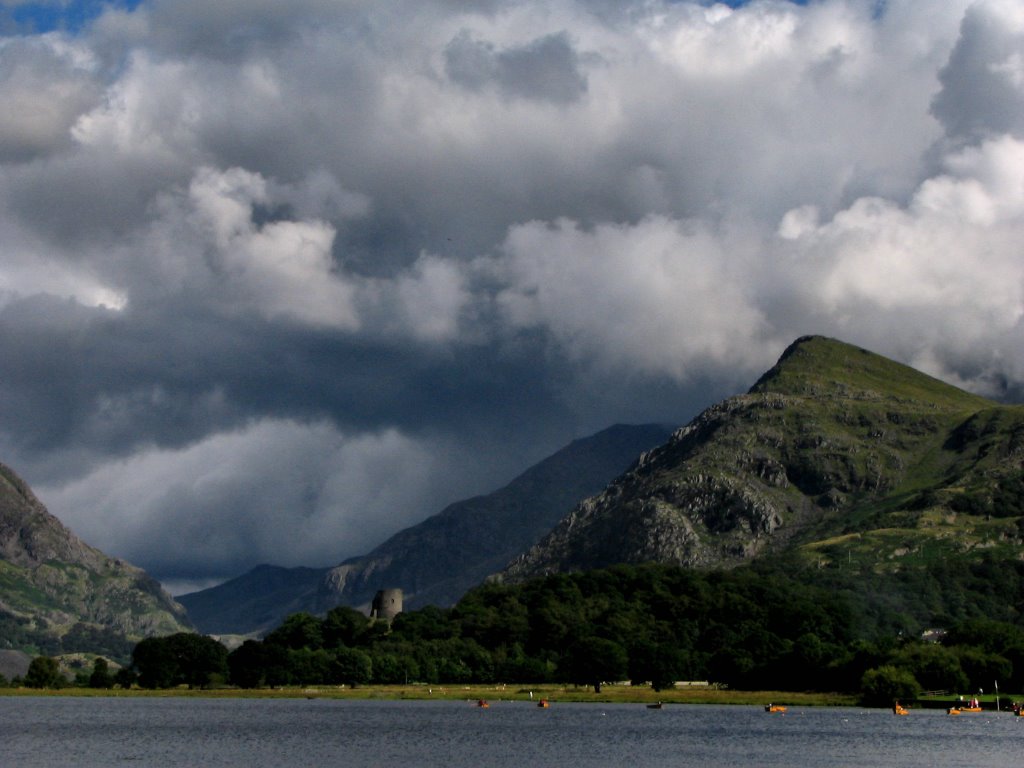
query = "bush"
x=882 y=686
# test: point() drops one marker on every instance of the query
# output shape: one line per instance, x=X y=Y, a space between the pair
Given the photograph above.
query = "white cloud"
x=662 y=295
x=281 y=268
x=28 y=267
x=45 y=84
x=945 y=270
x=430 y=298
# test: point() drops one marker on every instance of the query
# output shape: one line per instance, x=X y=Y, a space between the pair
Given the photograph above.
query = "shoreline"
x=610 y=694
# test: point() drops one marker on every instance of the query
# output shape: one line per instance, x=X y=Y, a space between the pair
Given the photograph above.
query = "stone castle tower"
x=387 y=604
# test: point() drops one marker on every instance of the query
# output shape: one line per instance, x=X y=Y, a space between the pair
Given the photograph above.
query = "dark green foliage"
x=99 y=640
x=21 y=632
x=660 y=664
x=971 y=503
x=343 y=626
x=933 y=666
x=985 y=648
x=883 y=686
x=125 y=678
x=768 y=626
x=101 y=677
x=300 y=630
x=44 y=672
x=1008 y=499
x=428 y=623
x=651 y=624
x=593 y=660
x=351 y=666
x=183 y=658
x=247 y=664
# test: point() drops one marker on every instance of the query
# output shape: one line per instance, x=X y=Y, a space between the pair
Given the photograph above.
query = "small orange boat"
x=774 y=708
x=543 y=704
x=482 y=703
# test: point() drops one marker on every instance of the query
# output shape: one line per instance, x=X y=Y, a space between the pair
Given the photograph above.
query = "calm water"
x=253 y=733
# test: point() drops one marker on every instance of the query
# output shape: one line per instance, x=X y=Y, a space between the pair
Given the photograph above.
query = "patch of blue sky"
x=877 y=6
x=74 y=15
x=70 y=16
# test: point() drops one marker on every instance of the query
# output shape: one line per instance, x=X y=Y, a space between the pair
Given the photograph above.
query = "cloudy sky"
x=279 y=279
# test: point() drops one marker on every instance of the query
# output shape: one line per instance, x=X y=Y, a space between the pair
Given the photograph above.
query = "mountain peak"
x=818 y=366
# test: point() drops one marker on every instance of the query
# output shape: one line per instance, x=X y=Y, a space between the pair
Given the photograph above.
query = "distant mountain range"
x=438 y=560
x=59 y=595
x=839 y=464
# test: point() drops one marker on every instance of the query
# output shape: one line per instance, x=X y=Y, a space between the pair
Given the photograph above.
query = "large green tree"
x=351 y=666
x=44 y=672
x=593 y=661
x=101 y=677
x=184 y=658
x=882 y=686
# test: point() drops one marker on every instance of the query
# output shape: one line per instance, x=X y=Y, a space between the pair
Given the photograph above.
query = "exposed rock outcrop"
x=60 y=593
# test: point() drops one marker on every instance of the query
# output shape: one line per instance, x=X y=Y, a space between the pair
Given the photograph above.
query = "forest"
x=749 y=628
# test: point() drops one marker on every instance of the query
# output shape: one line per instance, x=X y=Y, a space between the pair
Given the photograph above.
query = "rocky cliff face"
x=58 y=593
x=830 y=436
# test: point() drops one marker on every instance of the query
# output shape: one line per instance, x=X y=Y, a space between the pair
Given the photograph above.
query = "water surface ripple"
x=54 y=732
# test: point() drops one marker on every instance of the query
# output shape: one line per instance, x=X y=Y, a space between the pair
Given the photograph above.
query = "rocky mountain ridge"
x=58 y=594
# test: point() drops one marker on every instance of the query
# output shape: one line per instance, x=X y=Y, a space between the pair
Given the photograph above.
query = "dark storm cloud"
x=277 y=280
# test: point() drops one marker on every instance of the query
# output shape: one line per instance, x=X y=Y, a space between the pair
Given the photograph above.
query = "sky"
x=280 y=279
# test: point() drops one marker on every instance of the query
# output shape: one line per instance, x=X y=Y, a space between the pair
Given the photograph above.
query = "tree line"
x=748 y=628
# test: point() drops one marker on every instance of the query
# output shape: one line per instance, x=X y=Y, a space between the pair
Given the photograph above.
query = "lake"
x=52 y=732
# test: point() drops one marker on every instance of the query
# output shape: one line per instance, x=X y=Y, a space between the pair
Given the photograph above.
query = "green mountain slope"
x=58 y=594
x=837 y=460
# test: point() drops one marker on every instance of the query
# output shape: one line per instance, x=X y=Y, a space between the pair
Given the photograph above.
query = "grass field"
x=610 y=694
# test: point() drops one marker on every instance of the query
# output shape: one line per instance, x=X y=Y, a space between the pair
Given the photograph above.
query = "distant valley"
x=438 y=560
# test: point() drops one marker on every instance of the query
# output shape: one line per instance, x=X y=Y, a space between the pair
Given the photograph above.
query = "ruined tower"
x=387 y=604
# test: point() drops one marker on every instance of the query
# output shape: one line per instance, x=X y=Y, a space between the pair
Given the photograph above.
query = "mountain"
x=438 y=560
x=837 y=458
x=58 y=594
x=256 y=601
